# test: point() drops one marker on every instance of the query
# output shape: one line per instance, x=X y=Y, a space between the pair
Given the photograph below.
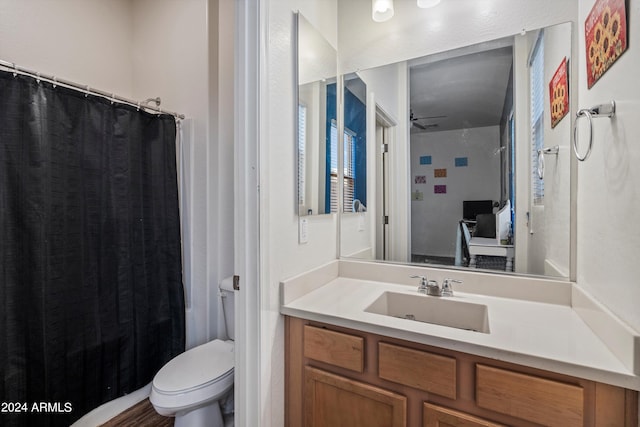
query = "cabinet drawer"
x=418 y=369
x=335 y=348
x=547 y=402
x=437 y=416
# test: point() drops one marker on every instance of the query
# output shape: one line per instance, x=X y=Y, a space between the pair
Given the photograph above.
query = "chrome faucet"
x=431 y=287
x=428 y=287
x=447 y=287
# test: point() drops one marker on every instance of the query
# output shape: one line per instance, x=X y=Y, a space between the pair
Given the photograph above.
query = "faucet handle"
x=447 y=287
x=423 y=279
x=422 y=288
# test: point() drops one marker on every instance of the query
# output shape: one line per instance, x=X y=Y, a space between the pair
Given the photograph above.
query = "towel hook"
x=602 y=110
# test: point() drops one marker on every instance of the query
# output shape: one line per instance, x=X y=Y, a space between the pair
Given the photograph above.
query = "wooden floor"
x=140 y=415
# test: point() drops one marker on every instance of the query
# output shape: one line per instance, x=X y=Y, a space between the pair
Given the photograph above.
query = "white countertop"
x=542 y=335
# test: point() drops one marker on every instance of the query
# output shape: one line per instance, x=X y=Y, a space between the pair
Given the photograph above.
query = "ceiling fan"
x=415 y=121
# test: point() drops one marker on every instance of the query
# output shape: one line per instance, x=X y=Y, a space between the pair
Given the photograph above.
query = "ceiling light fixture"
x=381 y=10
x=424 y=4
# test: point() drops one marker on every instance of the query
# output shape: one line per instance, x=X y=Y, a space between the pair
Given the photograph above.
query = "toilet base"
x=206 y=416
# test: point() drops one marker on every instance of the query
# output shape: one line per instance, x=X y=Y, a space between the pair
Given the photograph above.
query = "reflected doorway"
x=385 y=129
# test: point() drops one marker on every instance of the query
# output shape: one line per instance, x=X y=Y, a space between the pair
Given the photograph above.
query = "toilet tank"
x=227 y=294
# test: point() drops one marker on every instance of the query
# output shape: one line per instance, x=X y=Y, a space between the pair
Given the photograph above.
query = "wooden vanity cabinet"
x=342 y=377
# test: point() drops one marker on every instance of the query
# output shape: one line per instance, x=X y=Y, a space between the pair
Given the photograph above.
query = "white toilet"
x=190 y=385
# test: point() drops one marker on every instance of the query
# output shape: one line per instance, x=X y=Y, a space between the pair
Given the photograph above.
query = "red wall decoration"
x=559 y=94
x=606 y=37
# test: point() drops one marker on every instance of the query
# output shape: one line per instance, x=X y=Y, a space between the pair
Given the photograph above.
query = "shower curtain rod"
x=10 y=66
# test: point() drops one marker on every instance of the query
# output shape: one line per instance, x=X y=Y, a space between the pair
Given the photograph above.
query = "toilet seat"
x=195 y=377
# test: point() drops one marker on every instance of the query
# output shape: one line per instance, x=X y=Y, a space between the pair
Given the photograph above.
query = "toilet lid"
x=196 y=367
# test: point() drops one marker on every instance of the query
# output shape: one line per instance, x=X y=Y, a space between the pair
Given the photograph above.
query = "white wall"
x=557 y=173
x=281 y=255
x=414 y=32
x=313 y=96
x=608 y=194
x=388 y=88
x=85 y=41
x=434 y=220
x=182 y=52
x=543 y=237
x=521 y=48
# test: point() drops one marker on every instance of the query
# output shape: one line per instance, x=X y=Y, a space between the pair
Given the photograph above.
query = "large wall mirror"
x=469 y=166
x=316 y=120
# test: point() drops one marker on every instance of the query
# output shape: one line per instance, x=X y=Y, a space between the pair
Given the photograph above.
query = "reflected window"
x=536 y=79
x=348 y=171
x=302 y=142
x=334 y=166
x=355 y=145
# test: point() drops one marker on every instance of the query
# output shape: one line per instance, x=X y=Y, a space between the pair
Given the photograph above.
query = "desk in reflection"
x=490 y=247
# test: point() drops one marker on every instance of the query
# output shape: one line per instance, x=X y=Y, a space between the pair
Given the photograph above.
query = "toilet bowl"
x=190 y=385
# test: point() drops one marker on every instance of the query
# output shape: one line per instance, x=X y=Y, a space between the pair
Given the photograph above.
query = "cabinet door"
x=438 y=416
x=335 y=401
x=528 y=397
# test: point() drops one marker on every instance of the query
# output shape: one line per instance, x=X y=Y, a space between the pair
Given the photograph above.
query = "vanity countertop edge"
x=524 y=317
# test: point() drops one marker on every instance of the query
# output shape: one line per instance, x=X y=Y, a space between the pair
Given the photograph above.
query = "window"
x=302 y=142
x=536 y=81
x=348 y=171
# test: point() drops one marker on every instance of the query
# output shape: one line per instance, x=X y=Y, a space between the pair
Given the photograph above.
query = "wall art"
x=605 y=32
x=559 y=93
x=425 y=160
x=440 y=189
x=461 y=162
x=439 y=173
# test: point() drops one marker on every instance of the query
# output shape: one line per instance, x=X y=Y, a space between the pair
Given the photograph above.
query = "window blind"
x=536 y=78
x=349 y=170
x=302 y=143
x=348 y=183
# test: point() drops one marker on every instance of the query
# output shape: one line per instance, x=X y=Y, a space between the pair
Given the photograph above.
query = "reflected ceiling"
x=460 y=92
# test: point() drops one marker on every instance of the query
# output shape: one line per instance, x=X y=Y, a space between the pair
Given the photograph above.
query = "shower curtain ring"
x=86 y=93
x=15 y=70
x=113 y=100
x=38 y=77
x=138 y=109
x=55 y=82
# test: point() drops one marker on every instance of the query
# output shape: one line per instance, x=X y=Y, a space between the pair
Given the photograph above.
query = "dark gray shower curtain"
x=91 y=294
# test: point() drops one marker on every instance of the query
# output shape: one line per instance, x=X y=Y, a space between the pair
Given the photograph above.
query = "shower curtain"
x=91 y=294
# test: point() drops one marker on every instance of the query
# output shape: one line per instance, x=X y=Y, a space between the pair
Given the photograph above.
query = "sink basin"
x=439 y=311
